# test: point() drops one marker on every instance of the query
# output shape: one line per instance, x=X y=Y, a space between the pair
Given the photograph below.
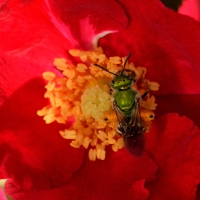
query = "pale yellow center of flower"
x=82 y=92
x=95 y=102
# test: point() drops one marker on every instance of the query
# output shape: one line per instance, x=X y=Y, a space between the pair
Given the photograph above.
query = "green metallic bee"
x=127 y=108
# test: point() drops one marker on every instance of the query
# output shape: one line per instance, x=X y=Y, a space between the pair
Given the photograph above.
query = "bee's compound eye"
x=112 y=82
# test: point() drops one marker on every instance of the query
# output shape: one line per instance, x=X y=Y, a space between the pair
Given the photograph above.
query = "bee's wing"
x=134 y=138
x=135 y=122
x=120 y=118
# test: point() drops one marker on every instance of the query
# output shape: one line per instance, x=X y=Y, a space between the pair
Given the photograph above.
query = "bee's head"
x=121 y=81
x=123 y=78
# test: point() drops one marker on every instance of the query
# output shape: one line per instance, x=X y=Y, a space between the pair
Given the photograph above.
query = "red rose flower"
x=38 y=163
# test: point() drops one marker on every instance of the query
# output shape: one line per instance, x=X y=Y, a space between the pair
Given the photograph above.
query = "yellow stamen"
x=153 y=86
x=149 y=103
x=68 y=134
x=83 y=91
x=49 y=76
x=81 y=67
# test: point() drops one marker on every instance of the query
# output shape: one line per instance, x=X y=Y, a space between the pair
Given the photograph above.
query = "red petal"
x=28 y=33
x=165 y=42
x=118 y=177
x=84 y=22
x=32 y=29
x=17 y=71
x=32 y=153
x=191 y=8
x=138 y=191
x=174 y=145
x=27 y=30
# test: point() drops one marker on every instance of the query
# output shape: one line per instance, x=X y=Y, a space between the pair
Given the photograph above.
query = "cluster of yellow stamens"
x=82 y=92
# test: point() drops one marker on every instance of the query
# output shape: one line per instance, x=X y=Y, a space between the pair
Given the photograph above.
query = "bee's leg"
x=145 y=94
x=110 y=92
x=119 y=130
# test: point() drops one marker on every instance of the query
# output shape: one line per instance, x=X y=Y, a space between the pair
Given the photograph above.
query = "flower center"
x=95 y=102
x=84 y=93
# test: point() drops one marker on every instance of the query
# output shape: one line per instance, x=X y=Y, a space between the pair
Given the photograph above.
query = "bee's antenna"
x=125 y=63
x=104 y=69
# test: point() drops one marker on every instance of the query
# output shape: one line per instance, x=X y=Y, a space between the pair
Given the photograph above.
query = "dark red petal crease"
x=198 y=192
x=33 y=153
x=184 y=105
x=120 y=176
x=165 y=42
x=173 y=143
